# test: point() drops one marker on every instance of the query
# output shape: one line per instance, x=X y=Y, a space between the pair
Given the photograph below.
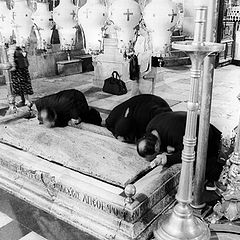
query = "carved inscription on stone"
x=53 y=187
x=106 y=207
x=31 y=174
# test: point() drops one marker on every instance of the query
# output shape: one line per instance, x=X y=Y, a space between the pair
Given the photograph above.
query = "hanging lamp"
x=5 y=22
x=92 y=17
x=160 y=17
x=64 y=16
x=22 y=23
x=125 y=14
x=40 y=18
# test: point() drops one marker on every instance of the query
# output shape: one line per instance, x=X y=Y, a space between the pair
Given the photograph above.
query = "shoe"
x=210 y=186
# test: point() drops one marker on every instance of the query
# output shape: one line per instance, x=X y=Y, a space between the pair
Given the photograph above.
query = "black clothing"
x=142 y=108
x=171 y=129
x=55 y=36
x=134 y=69
x=68 y=104
x=53 y=4
x=20 y=58
x=21 y=80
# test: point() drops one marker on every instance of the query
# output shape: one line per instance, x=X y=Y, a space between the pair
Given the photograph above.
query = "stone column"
x=5 y=66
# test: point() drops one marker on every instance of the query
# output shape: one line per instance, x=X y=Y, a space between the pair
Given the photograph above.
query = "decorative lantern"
x=64 y=17
x=125 y=14
x=92 y=17
x=159 y=18
x=40 y=19
x=22 y=23
x=5 y=21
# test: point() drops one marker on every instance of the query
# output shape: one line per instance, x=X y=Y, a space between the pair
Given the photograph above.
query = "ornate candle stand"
x=229 y=207
x=204 y=121
x=5 y=66
x=181 y=223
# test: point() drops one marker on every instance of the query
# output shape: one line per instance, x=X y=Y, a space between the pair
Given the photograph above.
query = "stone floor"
x=174 y=88
x=19 y=220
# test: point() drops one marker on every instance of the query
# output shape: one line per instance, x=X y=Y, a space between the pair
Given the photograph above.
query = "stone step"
x=2 y=80
x=176 y=61
x=87 y=62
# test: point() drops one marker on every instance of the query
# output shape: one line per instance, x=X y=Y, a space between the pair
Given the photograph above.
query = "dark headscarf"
x=126 y=127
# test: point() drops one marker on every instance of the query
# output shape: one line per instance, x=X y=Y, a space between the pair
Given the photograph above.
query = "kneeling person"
x=56 y=110
x=163 y=143
x=128 y=120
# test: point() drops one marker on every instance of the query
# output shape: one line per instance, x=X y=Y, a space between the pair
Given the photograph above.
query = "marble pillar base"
x=72 y=186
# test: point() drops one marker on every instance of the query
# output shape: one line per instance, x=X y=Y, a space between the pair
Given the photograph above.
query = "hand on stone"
x=160 y=159
x=170 y=149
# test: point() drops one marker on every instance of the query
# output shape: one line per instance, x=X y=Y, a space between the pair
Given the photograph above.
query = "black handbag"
x=134 y=70
x=157 y=62
x=114 y=85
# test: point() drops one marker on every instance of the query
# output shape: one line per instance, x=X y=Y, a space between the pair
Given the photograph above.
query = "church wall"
x=43 y=63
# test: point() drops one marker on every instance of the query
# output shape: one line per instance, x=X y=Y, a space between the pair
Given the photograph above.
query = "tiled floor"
x=19 y=220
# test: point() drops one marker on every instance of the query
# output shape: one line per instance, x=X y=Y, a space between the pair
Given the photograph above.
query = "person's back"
x=139 y=110
x=171 y=129
x=68 y=104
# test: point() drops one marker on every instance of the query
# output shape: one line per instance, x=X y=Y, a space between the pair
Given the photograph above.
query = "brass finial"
x=130 y=191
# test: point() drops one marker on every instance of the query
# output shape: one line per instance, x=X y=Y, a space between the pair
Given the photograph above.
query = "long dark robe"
x=21 y=81
x=142 y=108
x=171 y=129
x=68 y=104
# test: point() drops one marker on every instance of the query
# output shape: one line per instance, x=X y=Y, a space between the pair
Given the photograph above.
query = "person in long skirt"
x=20 y=77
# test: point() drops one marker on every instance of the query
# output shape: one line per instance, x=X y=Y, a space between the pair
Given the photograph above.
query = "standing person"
x=163 y=144
x=128 y=120
x=20 y=77
x=143 y=53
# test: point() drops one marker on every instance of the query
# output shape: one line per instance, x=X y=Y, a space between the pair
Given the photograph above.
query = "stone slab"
x=93 y=128
x=92 y=154
x=90 y=204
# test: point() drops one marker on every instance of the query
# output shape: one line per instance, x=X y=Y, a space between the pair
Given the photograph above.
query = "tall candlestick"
x=181 y=223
